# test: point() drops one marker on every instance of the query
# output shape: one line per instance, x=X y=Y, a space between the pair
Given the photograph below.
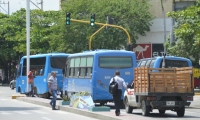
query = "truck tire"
x=128 y=108
x=161 y=111
x=145 y=108
x=181 y=111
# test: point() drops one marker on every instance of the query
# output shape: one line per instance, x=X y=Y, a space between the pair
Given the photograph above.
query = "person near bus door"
x=52 y=84
x=117 y=96
x=31 y=77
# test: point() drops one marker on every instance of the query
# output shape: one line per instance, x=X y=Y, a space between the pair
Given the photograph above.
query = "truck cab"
x=161 y=86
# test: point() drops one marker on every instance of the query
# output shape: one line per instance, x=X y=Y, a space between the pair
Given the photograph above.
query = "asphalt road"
x=11 y=109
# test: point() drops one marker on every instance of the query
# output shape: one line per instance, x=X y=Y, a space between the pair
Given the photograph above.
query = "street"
x=11 y=109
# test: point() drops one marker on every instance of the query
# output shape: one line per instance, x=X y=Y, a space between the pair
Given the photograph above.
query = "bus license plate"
x=170 y=103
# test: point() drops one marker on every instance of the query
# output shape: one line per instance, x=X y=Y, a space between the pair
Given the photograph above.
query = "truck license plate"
x=170 y=103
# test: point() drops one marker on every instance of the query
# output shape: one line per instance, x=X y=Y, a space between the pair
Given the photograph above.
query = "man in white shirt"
x=117 y=96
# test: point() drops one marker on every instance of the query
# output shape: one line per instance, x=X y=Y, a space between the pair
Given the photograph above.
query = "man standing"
x=117 y=96
x=52 y=84
x=31 y=81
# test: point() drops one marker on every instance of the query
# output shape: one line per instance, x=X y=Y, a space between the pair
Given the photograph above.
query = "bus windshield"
x=58 y=62
x=115 y=62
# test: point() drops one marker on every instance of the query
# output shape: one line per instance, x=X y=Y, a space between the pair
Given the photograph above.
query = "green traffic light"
x=92 y=24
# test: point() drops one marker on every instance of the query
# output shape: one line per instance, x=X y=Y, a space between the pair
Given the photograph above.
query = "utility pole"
x=27 y=41
x=37 y=5
x=41 y=3
x=8 y=11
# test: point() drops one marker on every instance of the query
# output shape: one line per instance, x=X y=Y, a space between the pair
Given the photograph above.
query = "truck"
x=160 y=88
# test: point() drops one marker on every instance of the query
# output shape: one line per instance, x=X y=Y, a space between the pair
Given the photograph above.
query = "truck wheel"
x=128 y=108
x=161 y=111
x=11 y=86
x=145 y=108
x=181 y=111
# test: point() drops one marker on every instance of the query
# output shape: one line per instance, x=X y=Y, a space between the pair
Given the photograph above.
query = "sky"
x=18 y=4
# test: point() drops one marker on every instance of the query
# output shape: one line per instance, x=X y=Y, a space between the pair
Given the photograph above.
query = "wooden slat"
x=163 y=79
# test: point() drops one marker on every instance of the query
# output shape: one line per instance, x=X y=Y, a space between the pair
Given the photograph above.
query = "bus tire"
x=19 y=90
x=48 y=95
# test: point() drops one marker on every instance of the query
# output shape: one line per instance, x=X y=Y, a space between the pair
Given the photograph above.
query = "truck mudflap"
x=169 y=103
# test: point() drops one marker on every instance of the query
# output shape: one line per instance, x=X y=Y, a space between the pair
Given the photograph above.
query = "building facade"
x=151 y=45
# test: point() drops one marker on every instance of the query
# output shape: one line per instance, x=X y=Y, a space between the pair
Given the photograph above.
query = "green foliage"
x=187 y=36
x=133 y=15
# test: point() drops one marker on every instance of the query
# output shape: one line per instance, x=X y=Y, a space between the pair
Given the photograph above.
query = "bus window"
x=152 y=63
x=148 y=63
x=36 y=63
x=115 y=62
x=71 y=69
x=67 y=68
x=58 y=62
x=77 y=64
x=19 y=70
x=142 y=64
x=89 y=66
x=83 y=67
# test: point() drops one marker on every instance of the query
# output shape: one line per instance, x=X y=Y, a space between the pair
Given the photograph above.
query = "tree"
x=44 y=35
x=187 y=36
x=133 y=15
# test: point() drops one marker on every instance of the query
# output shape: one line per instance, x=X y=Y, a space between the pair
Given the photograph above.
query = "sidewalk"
x=110 y=115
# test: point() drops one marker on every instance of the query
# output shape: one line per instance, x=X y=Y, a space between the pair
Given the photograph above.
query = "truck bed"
x=163 y=80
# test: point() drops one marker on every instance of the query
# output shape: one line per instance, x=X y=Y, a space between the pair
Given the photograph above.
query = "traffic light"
x=129 y=47
x=67 y=18
x=92 y=20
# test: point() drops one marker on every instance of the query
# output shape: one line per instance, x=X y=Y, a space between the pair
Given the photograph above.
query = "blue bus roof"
x=47 y=54
x=99 y=51
x=168 y=57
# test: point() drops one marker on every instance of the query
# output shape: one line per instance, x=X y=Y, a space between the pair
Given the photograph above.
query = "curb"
x=70 y=109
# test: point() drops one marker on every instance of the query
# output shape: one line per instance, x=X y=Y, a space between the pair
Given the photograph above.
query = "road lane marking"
x=46 y=118
x=40 y=112
x=4 y=113
x=22 y=112
x=61 y=112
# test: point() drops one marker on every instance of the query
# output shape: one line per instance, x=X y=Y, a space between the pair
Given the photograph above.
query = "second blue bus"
x=92 y=71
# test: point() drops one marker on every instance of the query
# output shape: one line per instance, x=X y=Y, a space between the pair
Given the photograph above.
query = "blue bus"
x=170 y=62
x=44 y=64
x=91 y=71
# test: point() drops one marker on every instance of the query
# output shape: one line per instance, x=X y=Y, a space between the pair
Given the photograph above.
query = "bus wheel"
x=47 y=95
x=61 y=95
x=19 y=90
x=102 y=103
x=35 y=92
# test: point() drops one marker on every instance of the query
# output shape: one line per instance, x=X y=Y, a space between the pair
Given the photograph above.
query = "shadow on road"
x=18 y=108
x=166 y=115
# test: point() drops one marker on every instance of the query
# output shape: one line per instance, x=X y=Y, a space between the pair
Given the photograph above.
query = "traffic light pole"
x=103 y=25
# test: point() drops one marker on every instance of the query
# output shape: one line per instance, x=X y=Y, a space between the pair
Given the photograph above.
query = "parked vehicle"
x=13 y=84
x=44 y=64
x=91 y=71
x=169 y=88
